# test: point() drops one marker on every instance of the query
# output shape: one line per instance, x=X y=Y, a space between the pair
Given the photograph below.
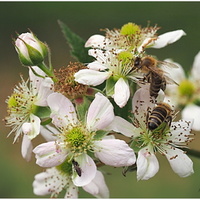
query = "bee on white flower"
x=166 y=138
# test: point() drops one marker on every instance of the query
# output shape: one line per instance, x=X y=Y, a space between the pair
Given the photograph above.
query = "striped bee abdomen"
x=157 y=117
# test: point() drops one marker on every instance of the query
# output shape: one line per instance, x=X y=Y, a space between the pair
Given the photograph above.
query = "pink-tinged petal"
x=95 y=41
x=26 y=148
x=49 y=133
x=147 y=164
x=180 y=162
x=49 y=154
x=97 y=187
x=114 y=152
x=195 y=71
x=96 y=65
x=100 y=113
x=91 y=77
x=121 y=92
x=141 y=103
x=63 y=111
x=32 y=128
x=192 y=112
x=168 y=38
x=88 y=170
x=45 y=89
x=124 y=127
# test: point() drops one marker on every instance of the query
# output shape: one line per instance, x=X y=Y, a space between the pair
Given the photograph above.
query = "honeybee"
x=76 y=167
x=162 y=112
x=153 y=74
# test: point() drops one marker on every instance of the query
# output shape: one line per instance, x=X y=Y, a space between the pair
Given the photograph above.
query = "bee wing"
x=165 y=67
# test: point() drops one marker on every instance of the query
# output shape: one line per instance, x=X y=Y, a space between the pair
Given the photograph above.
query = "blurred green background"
x=86 y=19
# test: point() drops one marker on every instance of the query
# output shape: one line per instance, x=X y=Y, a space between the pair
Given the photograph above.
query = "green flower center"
x=129 y=29
x=125 y=57
x=78 y=139
x=186 y=88
x=153 y=138
x=19 y=103
x=12 y=102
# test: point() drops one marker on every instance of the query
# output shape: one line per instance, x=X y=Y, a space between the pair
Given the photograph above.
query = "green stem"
x=47 y=71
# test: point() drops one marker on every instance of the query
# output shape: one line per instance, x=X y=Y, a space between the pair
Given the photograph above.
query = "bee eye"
x=137 y=62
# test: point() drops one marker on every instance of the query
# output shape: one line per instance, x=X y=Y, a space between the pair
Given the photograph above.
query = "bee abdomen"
x=156 y=118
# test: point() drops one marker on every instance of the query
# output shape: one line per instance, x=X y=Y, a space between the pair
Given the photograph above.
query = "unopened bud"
x=31 y=51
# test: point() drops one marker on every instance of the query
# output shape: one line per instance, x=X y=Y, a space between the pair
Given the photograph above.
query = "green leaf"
x=76 y=44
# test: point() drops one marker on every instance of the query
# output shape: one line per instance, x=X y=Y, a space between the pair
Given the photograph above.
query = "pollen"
x=130 y=29
x=66 y=83
x=78 y=139
x=186 y=88
x=125 y=57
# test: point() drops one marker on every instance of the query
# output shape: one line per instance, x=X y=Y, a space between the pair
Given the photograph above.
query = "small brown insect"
x=76 y=167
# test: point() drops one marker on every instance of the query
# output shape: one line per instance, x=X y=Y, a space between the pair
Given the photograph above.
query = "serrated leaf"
x=76 y=43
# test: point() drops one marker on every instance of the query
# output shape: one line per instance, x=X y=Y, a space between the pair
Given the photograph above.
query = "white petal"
x=88 y=170
x=91 y=77
x=97 y=187
x=51 y=182
x=124 y=127
x=45 y=89
x=49 y=133
x=95 y=41
x=147 y=165
x=114 y=152
x=26 y=148
x=180 y=131
x=49 y=155
x=36 y=80
x=141 y=103
x=121 y=92
x=63 y=111
x=72 y=192
x=192 y=112
x=100 y=113
x=180 y=162
x=168 y=38
x=96 y=65
x=195 y=71
x=32 y=128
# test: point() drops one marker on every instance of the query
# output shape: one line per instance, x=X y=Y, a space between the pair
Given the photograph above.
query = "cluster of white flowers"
x=80 y=128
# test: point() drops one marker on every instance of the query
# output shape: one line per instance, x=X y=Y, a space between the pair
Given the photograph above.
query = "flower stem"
x=47 y=71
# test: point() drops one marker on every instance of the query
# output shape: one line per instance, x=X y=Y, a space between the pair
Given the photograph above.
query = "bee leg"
x=147 y=116
x=169 y=120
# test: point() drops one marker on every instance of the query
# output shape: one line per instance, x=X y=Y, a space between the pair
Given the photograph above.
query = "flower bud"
x=31 y=51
